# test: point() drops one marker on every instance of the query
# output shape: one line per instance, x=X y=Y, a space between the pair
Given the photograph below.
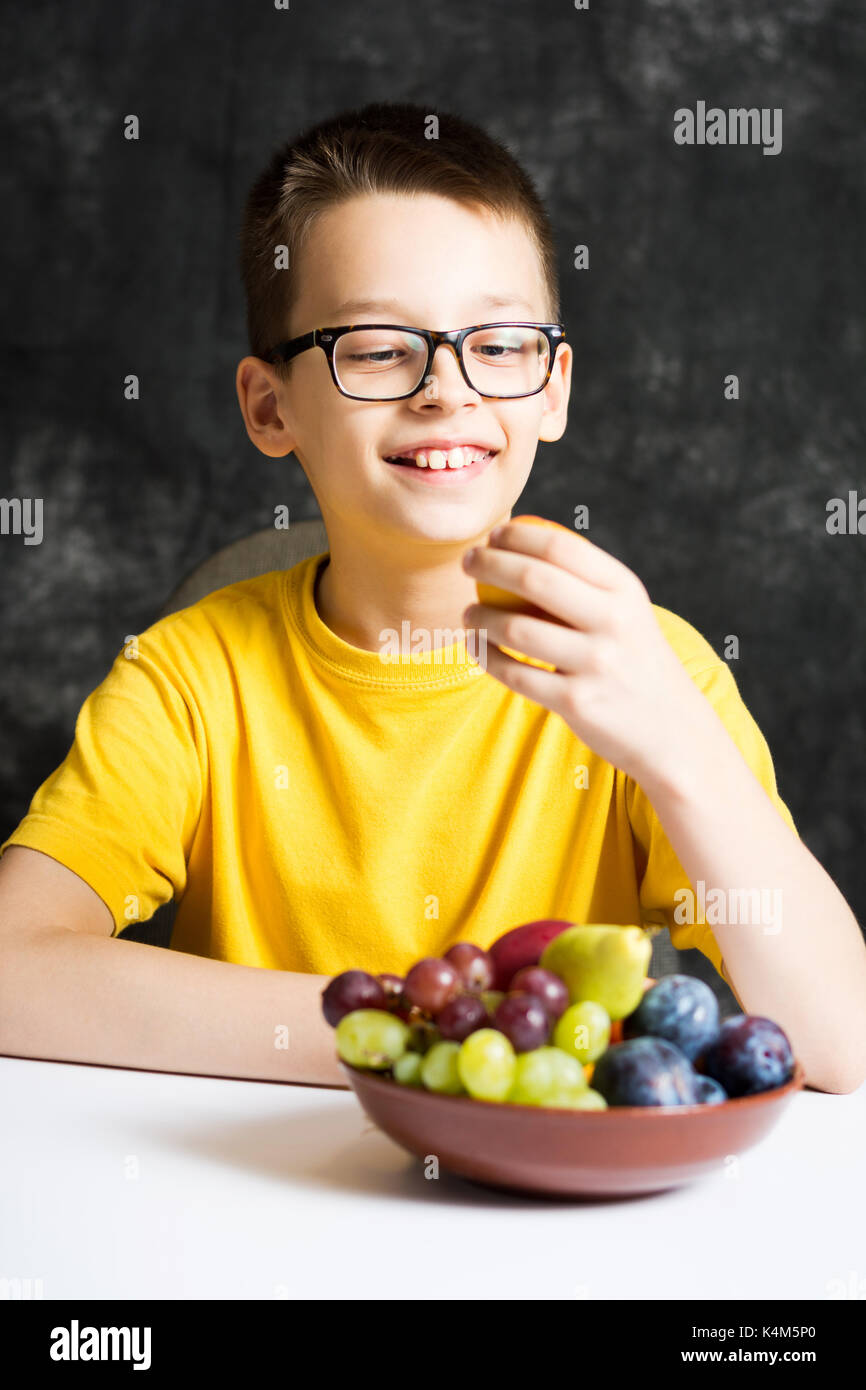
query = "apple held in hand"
x=495 y=597
x=606 y=963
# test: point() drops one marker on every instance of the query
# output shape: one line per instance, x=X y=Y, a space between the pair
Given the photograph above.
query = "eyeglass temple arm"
x=284 y=352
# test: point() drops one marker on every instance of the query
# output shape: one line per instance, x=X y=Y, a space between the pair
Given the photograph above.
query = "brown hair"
x=380 y=148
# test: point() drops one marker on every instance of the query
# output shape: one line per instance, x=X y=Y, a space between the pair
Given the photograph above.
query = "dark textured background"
x=120 y=257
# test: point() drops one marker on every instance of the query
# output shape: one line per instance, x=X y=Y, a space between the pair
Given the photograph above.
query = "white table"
x=136 y=1185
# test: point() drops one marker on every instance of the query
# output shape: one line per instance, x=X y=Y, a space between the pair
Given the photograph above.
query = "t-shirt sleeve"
x=662 y=874
x=122 y=808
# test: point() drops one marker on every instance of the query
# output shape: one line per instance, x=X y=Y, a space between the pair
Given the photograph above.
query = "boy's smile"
x=397 y=531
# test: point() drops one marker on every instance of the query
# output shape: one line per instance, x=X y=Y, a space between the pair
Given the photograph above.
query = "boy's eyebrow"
x=354 y=307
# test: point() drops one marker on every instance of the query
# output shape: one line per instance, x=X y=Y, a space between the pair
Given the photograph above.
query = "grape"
x=524 y=1020
x=573 y=1098
x=544 y=1072
x=583 y=1031
x=491 y=999
x=549 y=988
x=473 y=965
x=393 y=987
x=354 y=989
x=407 y=1069
x=439 y=1069
x=422 y=1035
x=371 y=1038
x=486 y=1064
x=400 y=1006
x=461 y=1016
x=431 y=983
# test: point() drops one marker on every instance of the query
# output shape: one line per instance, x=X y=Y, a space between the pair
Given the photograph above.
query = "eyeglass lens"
x=384 y=363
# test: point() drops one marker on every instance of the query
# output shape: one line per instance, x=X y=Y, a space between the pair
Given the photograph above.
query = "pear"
x=607 y=963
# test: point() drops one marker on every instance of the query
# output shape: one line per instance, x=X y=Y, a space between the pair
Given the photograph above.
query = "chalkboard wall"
x=706 y=261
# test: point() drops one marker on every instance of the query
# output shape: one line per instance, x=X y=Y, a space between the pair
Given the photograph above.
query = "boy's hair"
x=381 y=148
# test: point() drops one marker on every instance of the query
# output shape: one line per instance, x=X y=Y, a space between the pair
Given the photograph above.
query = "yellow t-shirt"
x=314 y=808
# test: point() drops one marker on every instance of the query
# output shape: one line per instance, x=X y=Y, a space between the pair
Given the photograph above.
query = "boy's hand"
x=618 y=684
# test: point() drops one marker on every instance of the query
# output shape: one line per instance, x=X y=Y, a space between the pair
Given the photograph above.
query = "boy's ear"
x=555 y=396
x=264 y=407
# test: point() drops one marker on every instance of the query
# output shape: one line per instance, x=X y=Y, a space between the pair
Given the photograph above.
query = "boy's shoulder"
x=258 y=591
x=228 y=618
x=692 y=648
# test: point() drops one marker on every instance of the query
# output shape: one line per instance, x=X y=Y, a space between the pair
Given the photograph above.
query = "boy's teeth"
x=458 y=457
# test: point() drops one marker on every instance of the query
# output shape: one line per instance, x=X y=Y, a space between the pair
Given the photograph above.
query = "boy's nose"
x=445 y=383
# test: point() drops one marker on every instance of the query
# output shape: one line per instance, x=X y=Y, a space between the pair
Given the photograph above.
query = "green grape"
x=407 y=1069
x=486 y=1064
x=439 y=1069
x=574 y=1098
x=583 y=1031
x=371 y=1038
x=423 y=1033
x=543 y=1071
x=491 y=999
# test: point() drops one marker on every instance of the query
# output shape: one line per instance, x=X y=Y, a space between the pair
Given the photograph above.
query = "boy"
x=316 y=806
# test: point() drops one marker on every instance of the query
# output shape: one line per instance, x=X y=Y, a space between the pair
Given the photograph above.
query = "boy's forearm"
x=809 y=976
x=71 y=996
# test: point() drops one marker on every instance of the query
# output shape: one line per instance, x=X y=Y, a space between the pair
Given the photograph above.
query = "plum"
x=681 y=1009
x=708 y=1091
x=522 y=946
x=750 y=1054
x=645 y=1071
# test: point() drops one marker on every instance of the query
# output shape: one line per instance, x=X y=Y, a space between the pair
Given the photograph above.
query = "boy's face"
x=426 y=262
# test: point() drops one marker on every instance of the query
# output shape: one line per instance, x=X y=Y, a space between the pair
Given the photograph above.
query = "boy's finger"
x=572 y=551
x=555 y=590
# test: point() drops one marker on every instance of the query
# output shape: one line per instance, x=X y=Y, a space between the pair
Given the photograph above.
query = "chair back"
x=252 y=555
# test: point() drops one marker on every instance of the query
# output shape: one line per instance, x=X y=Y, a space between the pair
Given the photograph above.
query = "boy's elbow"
x=839 y=1079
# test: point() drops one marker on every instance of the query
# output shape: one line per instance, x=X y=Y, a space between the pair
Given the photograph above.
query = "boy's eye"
x=494 y=349
x=376 y=356
x=503 y=343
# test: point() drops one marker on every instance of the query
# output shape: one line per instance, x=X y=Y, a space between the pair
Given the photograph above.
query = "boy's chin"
x=457 y=526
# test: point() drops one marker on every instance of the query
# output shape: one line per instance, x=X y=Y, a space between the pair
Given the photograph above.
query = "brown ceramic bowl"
x=576 y=1153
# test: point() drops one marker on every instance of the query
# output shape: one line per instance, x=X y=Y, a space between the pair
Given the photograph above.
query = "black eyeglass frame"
x=327 y=339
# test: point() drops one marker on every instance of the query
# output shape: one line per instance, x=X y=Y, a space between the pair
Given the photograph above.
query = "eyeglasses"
x=391 y=362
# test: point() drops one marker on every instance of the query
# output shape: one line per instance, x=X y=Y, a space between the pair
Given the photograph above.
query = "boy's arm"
x=70 y=992
x=621 y=688
x=809 y=976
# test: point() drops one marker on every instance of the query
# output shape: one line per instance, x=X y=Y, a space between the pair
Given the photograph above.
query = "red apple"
x=522 y=946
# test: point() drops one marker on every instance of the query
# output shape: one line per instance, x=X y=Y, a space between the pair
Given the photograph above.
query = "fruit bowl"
x=621 y=1151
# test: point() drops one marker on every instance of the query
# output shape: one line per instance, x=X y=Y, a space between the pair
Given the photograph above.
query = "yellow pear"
x=607 y=963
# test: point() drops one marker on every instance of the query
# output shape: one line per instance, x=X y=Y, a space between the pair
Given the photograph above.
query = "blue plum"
x=645 y=1071
x=751 y=1054
x=709 y=1092
x=681 y=1009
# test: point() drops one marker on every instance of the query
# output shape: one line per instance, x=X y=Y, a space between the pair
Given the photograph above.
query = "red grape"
x=400 y=1006
x=431 y=983
x=474 y=966
x=354 y=989
x=461 y=1016
x=393 y=987
x=524 y=1020
x=544 y=985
